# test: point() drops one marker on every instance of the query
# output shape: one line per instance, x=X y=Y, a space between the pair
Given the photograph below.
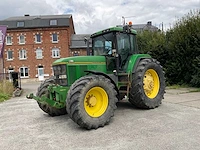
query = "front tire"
x=43 y=91
x=148 y=84
x=91 y=101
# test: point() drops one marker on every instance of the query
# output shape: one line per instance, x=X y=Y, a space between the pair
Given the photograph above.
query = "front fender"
x=113 y=80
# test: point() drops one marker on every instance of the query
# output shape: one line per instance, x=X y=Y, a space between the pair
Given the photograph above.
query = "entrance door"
x=9 y=74
x=40 y=73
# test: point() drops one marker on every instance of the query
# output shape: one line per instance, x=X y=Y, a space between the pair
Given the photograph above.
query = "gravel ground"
x=174 y=125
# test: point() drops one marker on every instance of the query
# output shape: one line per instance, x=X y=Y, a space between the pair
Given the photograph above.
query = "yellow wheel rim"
x=151 y=83
x=96 y=102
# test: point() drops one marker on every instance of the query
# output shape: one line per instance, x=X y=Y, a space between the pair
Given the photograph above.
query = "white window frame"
x=36 y=38
x=53 y=38
x=8 y=58
x=21 y=42
x=53 y=22
x=39 y=53
x=24 y=72
x=55 y=53
x=22 y=54
x=20 y=24
x=7 y=40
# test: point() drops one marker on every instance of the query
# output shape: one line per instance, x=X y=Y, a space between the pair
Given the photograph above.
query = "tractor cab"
x=117 y=44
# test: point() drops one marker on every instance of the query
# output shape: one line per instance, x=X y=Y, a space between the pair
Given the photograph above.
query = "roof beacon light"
x=130 y=23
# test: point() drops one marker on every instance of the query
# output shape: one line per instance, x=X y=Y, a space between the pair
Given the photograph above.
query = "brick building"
x=33 y=43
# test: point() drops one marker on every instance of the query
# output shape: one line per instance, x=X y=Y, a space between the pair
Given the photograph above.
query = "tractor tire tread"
x=137 y=96
x=77 y=112
x=43 y=89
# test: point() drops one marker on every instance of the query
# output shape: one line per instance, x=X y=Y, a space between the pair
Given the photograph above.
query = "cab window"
x=103 y=44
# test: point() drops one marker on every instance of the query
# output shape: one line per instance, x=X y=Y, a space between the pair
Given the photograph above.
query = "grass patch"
x=4 y=97
x=189 y=88
x=6 y=90
x=195 y=90
x=176 y=86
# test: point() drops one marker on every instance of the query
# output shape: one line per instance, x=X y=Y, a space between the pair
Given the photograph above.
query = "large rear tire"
x=148 y=84
x=91 y=101
x=43 y=91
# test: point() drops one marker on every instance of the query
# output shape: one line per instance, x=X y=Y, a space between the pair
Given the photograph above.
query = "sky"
x=90 y=16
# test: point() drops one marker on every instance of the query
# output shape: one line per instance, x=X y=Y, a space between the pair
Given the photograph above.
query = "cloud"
x=90 y=16
x=10 y=8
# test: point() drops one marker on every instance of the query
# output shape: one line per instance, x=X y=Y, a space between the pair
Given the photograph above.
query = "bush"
x=6 y=90
x=153 y=43
x=178 y=50
x=183 y=44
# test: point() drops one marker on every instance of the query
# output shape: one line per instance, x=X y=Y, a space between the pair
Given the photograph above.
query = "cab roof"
x=112 y=29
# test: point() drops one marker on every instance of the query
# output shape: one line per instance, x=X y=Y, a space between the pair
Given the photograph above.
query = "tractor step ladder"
x=124 y=82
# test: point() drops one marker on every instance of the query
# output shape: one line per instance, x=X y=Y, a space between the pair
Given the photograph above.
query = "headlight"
x=62 y=76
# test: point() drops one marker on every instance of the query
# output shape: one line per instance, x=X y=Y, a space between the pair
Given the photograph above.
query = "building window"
x=9 y=55
x=8 y=40
x=21 y=39
x=23 y=72
x=22 y=54
x=54 y=38
x=37 y=38
x=76 y=53
x=53 y=22
x=55 y=53
x=20 y=24
x=39 y=53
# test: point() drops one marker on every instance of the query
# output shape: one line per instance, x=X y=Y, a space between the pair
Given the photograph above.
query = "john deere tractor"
x=88 y=87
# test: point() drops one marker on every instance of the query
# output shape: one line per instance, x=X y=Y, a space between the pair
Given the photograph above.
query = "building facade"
x=33 y=43
x=79 y=45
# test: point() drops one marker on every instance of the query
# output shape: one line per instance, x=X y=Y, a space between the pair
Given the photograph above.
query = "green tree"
x=183 y=44
x=153 y=43
x=178 y=49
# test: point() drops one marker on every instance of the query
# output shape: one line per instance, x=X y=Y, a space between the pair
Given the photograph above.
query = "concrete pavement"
x=183 y=96
x=174 y=125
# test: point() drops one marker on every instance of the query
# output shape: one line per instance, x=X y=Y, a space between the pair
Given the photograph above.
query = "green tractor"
x=88 y=87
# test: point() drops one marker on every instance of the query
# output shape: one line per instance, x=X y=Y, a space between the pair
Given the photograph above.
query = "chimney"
x=149 y=23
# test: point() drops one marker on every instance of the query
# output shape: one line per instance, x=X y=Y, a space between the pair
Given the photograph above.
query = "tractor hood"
x=81 y=60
